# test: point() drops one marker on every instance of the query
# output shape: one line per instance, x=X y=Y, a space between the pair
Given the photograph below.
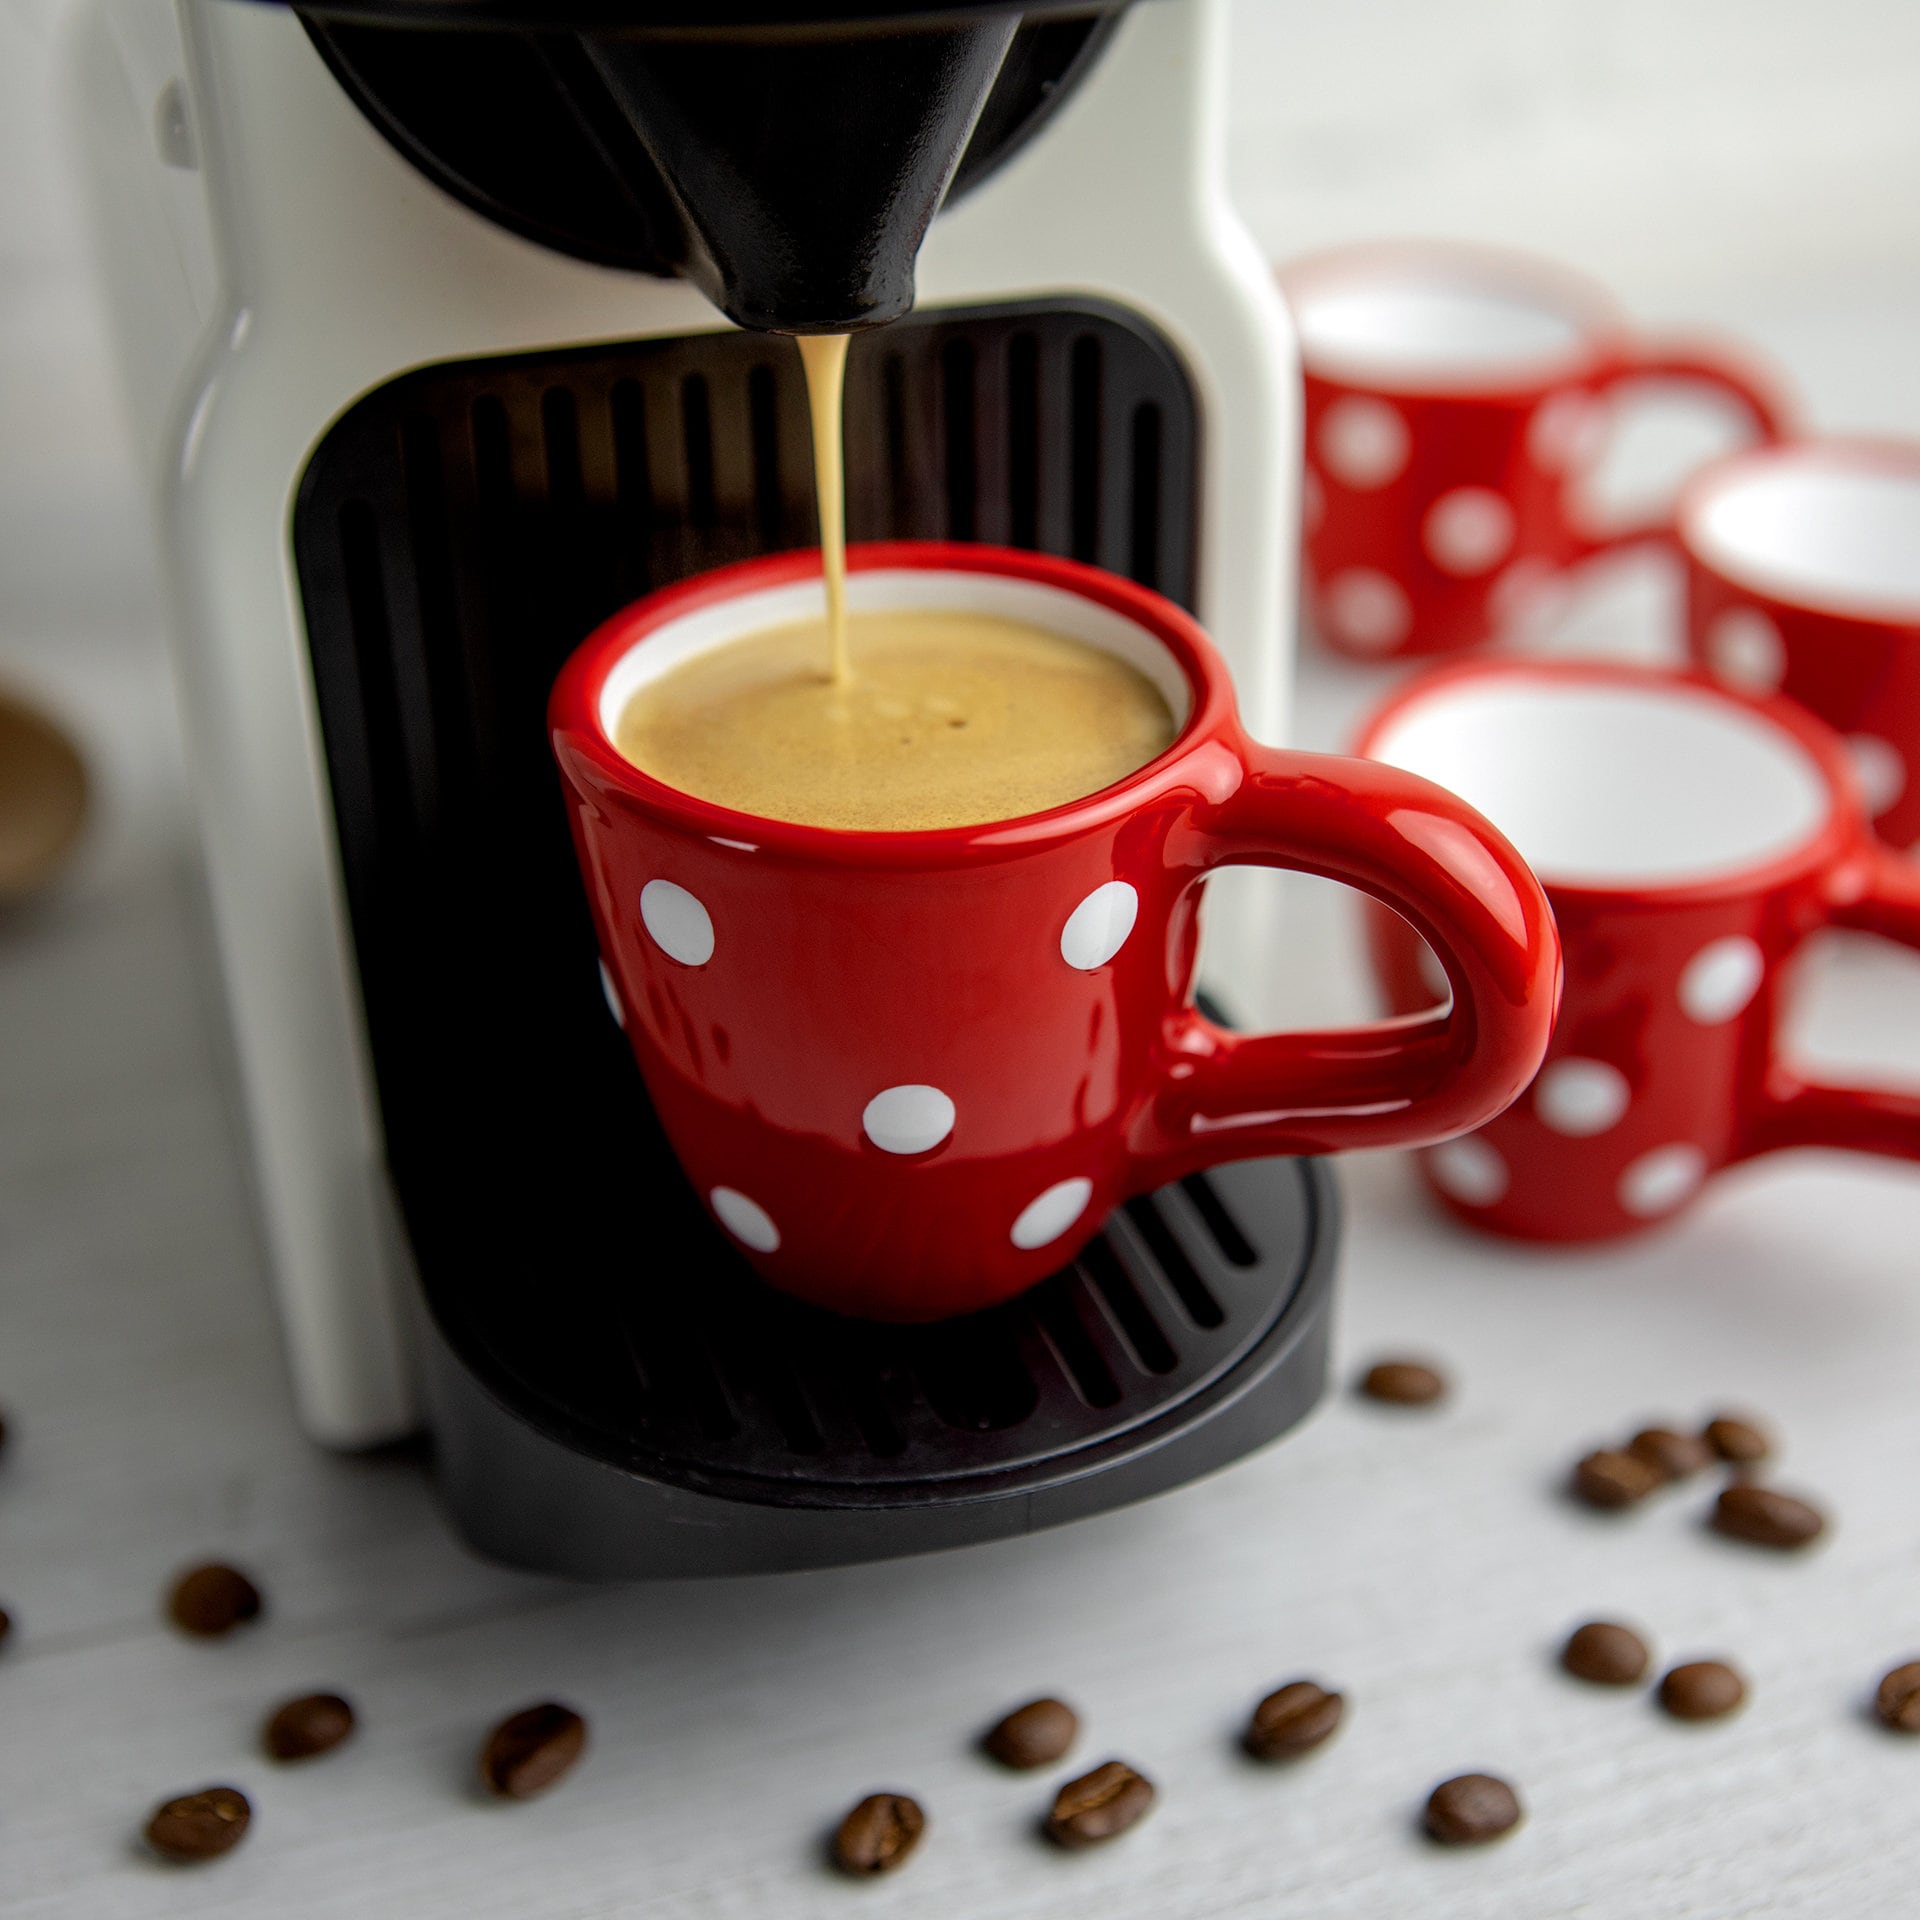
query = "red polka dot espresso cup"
x=1803 y=576
x=909 y=1073
x=1690 y=841
x=1456 y=400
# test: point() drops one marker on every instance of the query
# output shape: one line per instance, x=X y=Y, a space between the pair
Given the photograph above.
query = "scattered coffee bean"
x=315 y=1723
x=6 y=1626
x=1403 y=1383
x=1740 y=1441
x=1292 y=1721
x=1035 y=1735
x=1676 y=1455
x=1605 y=1653
x=1612 y=1477
x=1473 y=1808
x=200 y=1826
x=878 y=1834
x=1702 y=1690
x=526 y=1753
x=213 y=1600
x=1898 y=1701
x=1098 y=1805
x=1766 y=1518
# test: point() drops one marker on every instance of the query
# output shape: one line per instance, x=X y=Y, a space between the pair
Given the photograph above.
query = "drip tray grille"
x=716 y=1425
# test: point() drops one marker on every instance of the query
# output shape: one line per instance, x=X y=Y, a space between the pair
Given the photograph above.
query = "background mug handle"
x=1878 y=891
x=1400 y=1082
x=1756 y=392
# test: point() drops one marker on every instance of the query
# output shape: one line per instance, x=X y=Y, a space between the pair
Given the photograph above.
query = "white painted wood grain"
x=1422 y=1562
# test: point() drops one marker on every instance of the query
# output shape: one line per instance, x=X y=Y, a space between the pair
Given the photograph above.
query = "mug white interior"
x=1400 y=318
x=1603 y=783
x=903 y=590
x=1816 y=526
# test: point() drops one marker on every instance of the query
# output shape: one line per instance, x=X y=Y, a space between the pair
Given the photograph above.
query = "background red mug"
x=1803 y=576
x=1690 y=841
x=1456 y=398
x=910 y=1073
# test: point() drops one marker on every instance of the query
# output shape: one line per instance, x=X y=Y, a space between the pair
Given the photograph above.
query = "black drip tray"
x=718 y=1426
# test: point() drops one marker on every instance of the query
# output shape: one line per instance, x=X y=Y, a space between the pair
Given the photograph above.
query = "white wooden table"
x=1422 y=1562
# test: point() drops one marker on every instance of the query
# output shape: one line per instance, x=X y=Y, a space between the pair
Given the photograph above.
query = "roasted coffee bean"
x=200 y=1826
x=1898 y=1701
x=1740 y=1441
x=315 y=1723
x=1607 y=1654
x=1403 y=1383
x=1612 y=1477
x=1765 y=1518
x=878 y=1834
x=213 y=1600
x=1098 y=1805
x=528 y=1752
x=1702 y=1690
x=1292 y=1721
x=6 y=1626
x=1471 y=1809
x=1676 y=1455
x=1035 y=1735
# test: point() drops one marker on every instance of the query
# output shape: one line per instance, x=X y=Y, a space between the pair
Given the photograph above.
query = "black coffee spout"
x=806 y=163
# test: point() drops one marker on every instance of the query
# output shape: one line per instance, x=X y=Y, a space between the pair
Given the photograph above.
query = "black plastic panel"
x=728 y=1430
x=602 y=1350
x=517 y=124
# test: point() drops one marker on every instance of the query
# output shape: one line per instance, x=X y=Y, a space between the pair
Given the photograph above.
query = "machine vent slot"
x=973 y=1376
x=1147 y=1343
x=1023 y=440
x=956 y=366
x=1059 y=1316
x=1219 y=1222
x=1085 y=444
x=1174 y=1262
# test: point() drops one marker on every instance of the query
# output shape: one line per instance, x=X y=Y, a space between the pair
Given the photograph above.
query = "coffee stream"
x=824 y=356
x=924 y=719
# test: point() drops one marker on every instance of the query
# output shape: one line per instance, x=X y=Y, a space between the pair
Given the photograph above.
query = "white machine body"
x=269 y=258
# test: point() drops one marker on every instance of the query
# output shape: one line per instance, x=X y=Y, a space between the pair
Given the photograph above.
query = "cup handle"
x=1702 y=363
x=1391 y=1083
x=1879 y=893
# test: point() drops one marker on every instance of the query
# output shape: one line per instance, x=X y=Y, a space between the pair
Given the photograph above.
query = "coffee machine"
x=447 y=327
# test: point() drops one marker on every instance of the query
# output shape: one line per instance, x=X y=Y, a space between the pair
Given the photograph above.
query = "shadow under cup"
x=1688 y=841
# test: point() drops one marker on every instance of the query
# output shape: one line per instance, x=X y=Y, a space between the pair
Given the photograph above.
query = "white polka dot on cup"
x=1469 y=1171
x=1567 y=432
x=1580 y=1097
x=1745 y=650
x=1659 y=1181
x=1878 y=767
x=1720 y=979
x=908 y=1119
x=747 y=1220
x=1366 y=610
x=1098 y=927
x=679 y=925
x=1048 y=1215
x=1468 y=531
x=611 y=994
x=1363 y=442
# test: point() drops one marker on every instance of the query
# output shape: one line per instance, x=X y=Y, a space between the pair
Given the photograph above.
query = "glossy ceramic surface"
x=1845 y=642
x=1665 y=1064
x=1440 y=498
x=911 y=1072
